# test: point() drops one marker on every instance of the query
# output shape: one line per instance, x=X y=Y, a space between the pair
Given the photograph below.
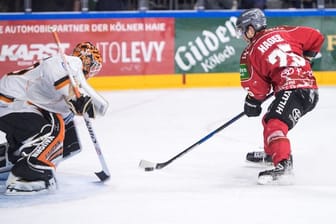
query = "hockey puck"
x=149 y=169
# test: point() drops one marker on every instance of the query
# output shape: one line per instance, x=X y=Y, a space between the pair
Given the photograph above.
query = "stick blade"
x=102 y=176
x=147 y=165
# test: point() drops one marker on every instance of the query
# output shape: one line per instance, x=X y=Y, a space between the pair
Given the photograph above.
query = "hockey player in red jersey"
x=37 y=109
x=277 y=59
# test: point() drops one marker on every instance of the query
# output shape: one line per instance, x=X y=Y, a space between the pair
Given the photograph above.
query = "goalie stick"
x=150 y=166
x=104 y=174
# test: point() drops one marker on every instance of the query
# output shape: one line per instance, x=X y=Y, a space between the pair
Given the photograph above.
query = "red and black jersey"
x=276 y=59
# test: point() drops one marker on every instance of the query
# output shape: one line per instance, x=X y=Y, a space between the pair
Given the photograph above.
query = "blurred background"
x=129 y=5
x=155 y=43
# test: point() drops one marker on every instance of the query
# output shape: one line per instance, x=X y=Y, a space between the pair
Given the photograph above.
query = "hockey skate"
x=260 y=158
x=25 y=179
x=281 y=173
x=18 y=186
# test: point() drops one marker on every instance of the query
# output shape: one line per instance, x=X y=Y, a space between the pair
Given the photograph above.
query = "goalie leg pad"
x=71 y=143
x=5 y=164
x=46 y=148
x=18 y=128
x=33 y=172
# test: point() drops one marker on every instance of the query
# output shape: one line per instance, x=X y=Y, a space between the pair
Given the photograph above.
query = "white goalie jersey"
x=47 y=85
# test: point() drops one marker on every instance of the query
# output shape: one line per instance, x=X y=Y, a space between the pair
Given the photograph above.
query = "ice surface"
x=212 y=184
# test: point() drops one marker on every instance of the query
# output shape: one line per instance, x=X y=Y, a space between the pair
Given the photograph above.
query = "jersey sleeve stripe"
x=6 y=98
x=62 y=82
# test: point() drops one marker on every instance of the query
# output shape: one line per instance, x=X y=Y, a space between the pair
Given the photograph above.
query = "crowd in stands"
x=117 y=5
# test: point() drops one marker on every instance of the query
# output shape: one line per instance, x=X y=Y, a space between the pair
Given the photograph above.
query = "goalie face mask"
x=90 y=56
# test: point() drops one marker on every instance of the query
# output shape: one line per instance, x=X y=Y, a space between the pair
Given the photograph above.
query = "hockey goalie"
x=37 y=107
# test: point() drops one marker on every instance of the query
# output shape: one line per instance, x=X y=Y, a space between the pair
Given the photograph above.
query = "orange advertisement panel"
x=132 y=46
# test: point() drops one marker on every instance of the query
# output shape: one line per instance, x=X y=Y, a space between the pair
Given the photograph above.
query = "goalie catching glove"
x=82 y=105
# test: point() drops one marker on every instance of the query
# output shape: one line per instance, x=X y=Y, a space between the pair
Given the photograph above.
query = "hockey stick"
x=104 y=174
x=150 y=166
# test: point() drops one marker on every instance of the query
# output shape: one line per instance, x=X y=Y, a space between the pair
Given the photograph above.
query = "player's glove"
x=252 y=107
x=309 y=56
x=82 y=105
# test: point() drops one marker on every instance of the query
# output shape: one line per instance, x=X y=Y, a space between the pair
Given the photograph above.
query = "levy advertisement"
x=127 y=46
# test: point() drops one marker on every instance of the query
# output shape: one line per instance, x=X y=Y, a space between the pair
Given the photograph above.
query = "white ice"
x=211 y=184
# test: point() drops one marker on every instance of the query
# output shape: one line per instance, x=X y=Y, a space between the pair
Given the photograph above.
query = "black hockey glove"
x=252 y=107
x=82 y=105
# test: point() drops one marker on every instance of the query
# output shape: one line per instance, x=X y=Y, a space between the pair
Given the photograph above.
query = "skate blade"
x=258 y=164
x=14 y=192
x=286 y=179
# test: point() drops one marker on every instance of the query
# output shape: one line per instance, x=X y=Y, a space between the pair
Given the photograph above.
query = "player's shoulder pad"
x=74 y=63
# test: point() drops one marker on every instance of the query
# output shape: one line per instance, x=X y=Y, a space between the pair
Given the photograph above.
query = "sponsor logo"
x=283 y=102
x=25 y=54
x=209 y=49
x=295 y=116
x=42 y=146
x=244 y=74
x=132 y=52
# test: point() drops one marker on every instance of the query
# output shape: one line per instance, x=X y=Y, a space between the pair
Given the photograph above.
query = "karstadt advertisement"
x=127 y=46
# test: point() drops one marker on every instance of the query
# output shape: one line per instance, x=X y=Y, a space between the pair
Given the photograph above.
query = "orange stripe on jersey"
x=52 y=151
x=62 y=82
x=6 y=99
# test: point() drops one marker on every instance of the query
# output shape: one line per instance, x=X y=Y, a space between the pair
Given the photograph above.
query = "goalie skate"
x=281 y=174
x=260 y=158
x=17 y=186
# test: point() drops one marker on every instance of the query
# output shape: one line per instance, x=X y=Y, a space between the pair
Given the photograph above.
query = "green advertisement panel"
x=328 y=61
x=209 y=45
x=206 y=45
